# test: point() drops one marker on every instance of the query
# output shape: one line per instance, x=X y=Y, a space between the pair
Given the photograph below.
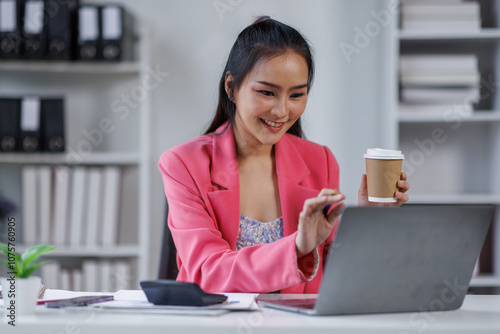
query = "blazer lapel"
x=291 y=170
x=225 y=194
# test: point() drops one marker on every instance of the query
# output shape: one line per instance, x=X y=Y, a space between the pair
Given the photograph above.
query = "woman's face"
x=270 y=99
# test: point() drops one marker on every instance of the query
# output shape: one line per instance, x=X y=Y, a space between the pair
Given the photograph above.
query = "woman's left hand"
x=402 y=198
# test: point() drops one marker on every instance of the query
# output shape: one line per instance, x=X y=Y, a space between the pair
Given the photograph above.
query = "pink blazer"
x=202 y=188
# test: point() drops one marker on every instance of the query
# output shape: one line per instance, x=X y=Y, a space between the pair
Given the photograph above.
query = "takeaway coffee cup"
x=383 y=171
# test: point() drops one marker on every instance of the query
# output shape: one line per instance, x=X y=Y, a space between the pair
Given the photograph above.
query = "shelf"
x=93 y=92
x=485 y=281
x=70 y=159
x=483 y=34
x=453 y=150
x=424 y=117
x=101 y=252
x=68 y=67
x=454 y=199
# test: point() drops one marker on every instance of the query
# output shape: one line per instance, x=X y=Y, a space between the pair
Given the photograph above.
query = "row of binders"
x=435 y=82
x=93 y=276
x=71 y=206
x=32 y=124
x=65 y=30
x=440 y=16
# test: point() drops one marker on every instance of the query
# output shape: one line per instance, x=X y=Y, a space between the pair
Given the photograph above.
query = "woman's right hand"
x=314 y=226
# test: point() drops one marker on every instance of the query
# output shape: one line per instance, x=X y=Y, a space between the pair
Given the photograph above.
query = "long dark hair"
x=263 y=39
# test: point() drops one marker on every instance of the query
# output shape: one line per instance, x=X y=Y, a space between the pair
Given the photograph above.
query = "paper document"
x=136 y=299
x=52 y=294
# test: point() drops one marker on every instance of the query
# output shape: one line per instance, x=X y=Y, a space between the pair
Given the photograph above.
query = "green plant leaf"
x=30 y=269
x=15 y=264
x=33 y=253
x=23 y=265
x=11 y=266
x=4 y=248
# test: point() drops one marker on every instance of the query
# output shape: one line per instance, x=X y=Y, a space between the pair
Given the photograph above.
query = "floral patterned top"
x=253 y=232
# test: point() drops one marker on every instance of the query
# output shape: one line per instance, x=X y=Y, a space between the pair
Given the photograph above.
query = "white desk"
x=479 y=314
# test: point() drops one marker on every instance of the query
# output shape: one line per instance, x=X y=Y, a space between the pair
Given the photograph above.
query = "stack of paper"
x=60 y=205
x=71 y=206
x=30 y=217
x=51 y=274
x=438 y=82
x=136 y=301
x=56 y=277
x=94 y=275
x=106 y=275
x=441 y=16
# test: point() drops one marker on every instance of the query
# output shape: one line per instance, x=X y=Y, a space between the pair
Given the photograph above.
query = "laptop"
x=407 y=259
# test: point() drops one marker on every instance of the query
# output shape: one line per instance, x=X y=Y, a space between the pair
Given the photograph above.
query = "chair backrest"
x=168 y=257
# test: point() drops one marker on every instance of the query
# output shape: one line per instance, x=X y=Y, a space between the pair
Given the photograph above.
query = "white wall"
x=347 y=105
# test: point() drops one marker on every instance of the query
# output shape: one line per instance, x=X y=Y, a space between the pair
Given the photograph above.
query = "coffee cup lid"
x=380 y=153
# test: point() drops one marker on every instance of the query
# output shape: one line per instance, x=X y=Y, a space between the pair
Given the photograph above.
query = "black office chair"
x=168 y=256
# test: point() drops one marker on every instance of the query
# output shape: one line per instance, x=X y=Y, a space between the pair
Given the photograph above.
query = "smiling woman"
x=269 y=101
x=261 y=41
x=246 y=200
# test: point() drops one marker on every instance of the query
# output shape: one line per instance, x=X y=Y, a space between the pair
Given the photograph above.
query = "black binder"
x=88 y=33
x=117 y=33
x=10 y=29
x=60 y=18
x=30 y=124
x=34 y=32
x=52 y=125
x=9 y=124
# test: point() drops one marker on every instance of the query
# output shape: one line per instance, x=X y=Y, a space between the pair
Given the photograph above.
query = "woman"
x=246 y=200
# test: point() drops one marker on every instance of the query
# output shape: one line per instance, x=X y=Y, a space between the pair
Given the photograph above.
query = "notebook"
x=407 y=259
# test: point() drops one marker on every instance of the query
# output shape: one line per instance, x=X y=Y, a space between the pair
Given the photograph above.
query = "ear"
x=228 y=84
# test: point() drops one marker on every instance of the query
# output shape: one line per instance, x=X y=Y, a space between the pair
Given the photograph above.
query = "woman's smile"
x=273 y=126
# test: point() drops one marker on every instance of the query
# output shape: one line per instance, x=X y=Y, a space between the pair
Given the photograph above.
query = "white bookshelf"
x=463 y=167
x=90 y=91
x=484 y=34
x=70 y=67
x=476 y=116
x=120 y=251
x=62 y=159
x=453 y=198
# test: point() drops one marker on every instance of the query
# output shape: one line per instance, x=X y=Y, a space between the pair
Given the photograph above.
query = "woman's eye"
x=266 y=92
x=296 y=95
